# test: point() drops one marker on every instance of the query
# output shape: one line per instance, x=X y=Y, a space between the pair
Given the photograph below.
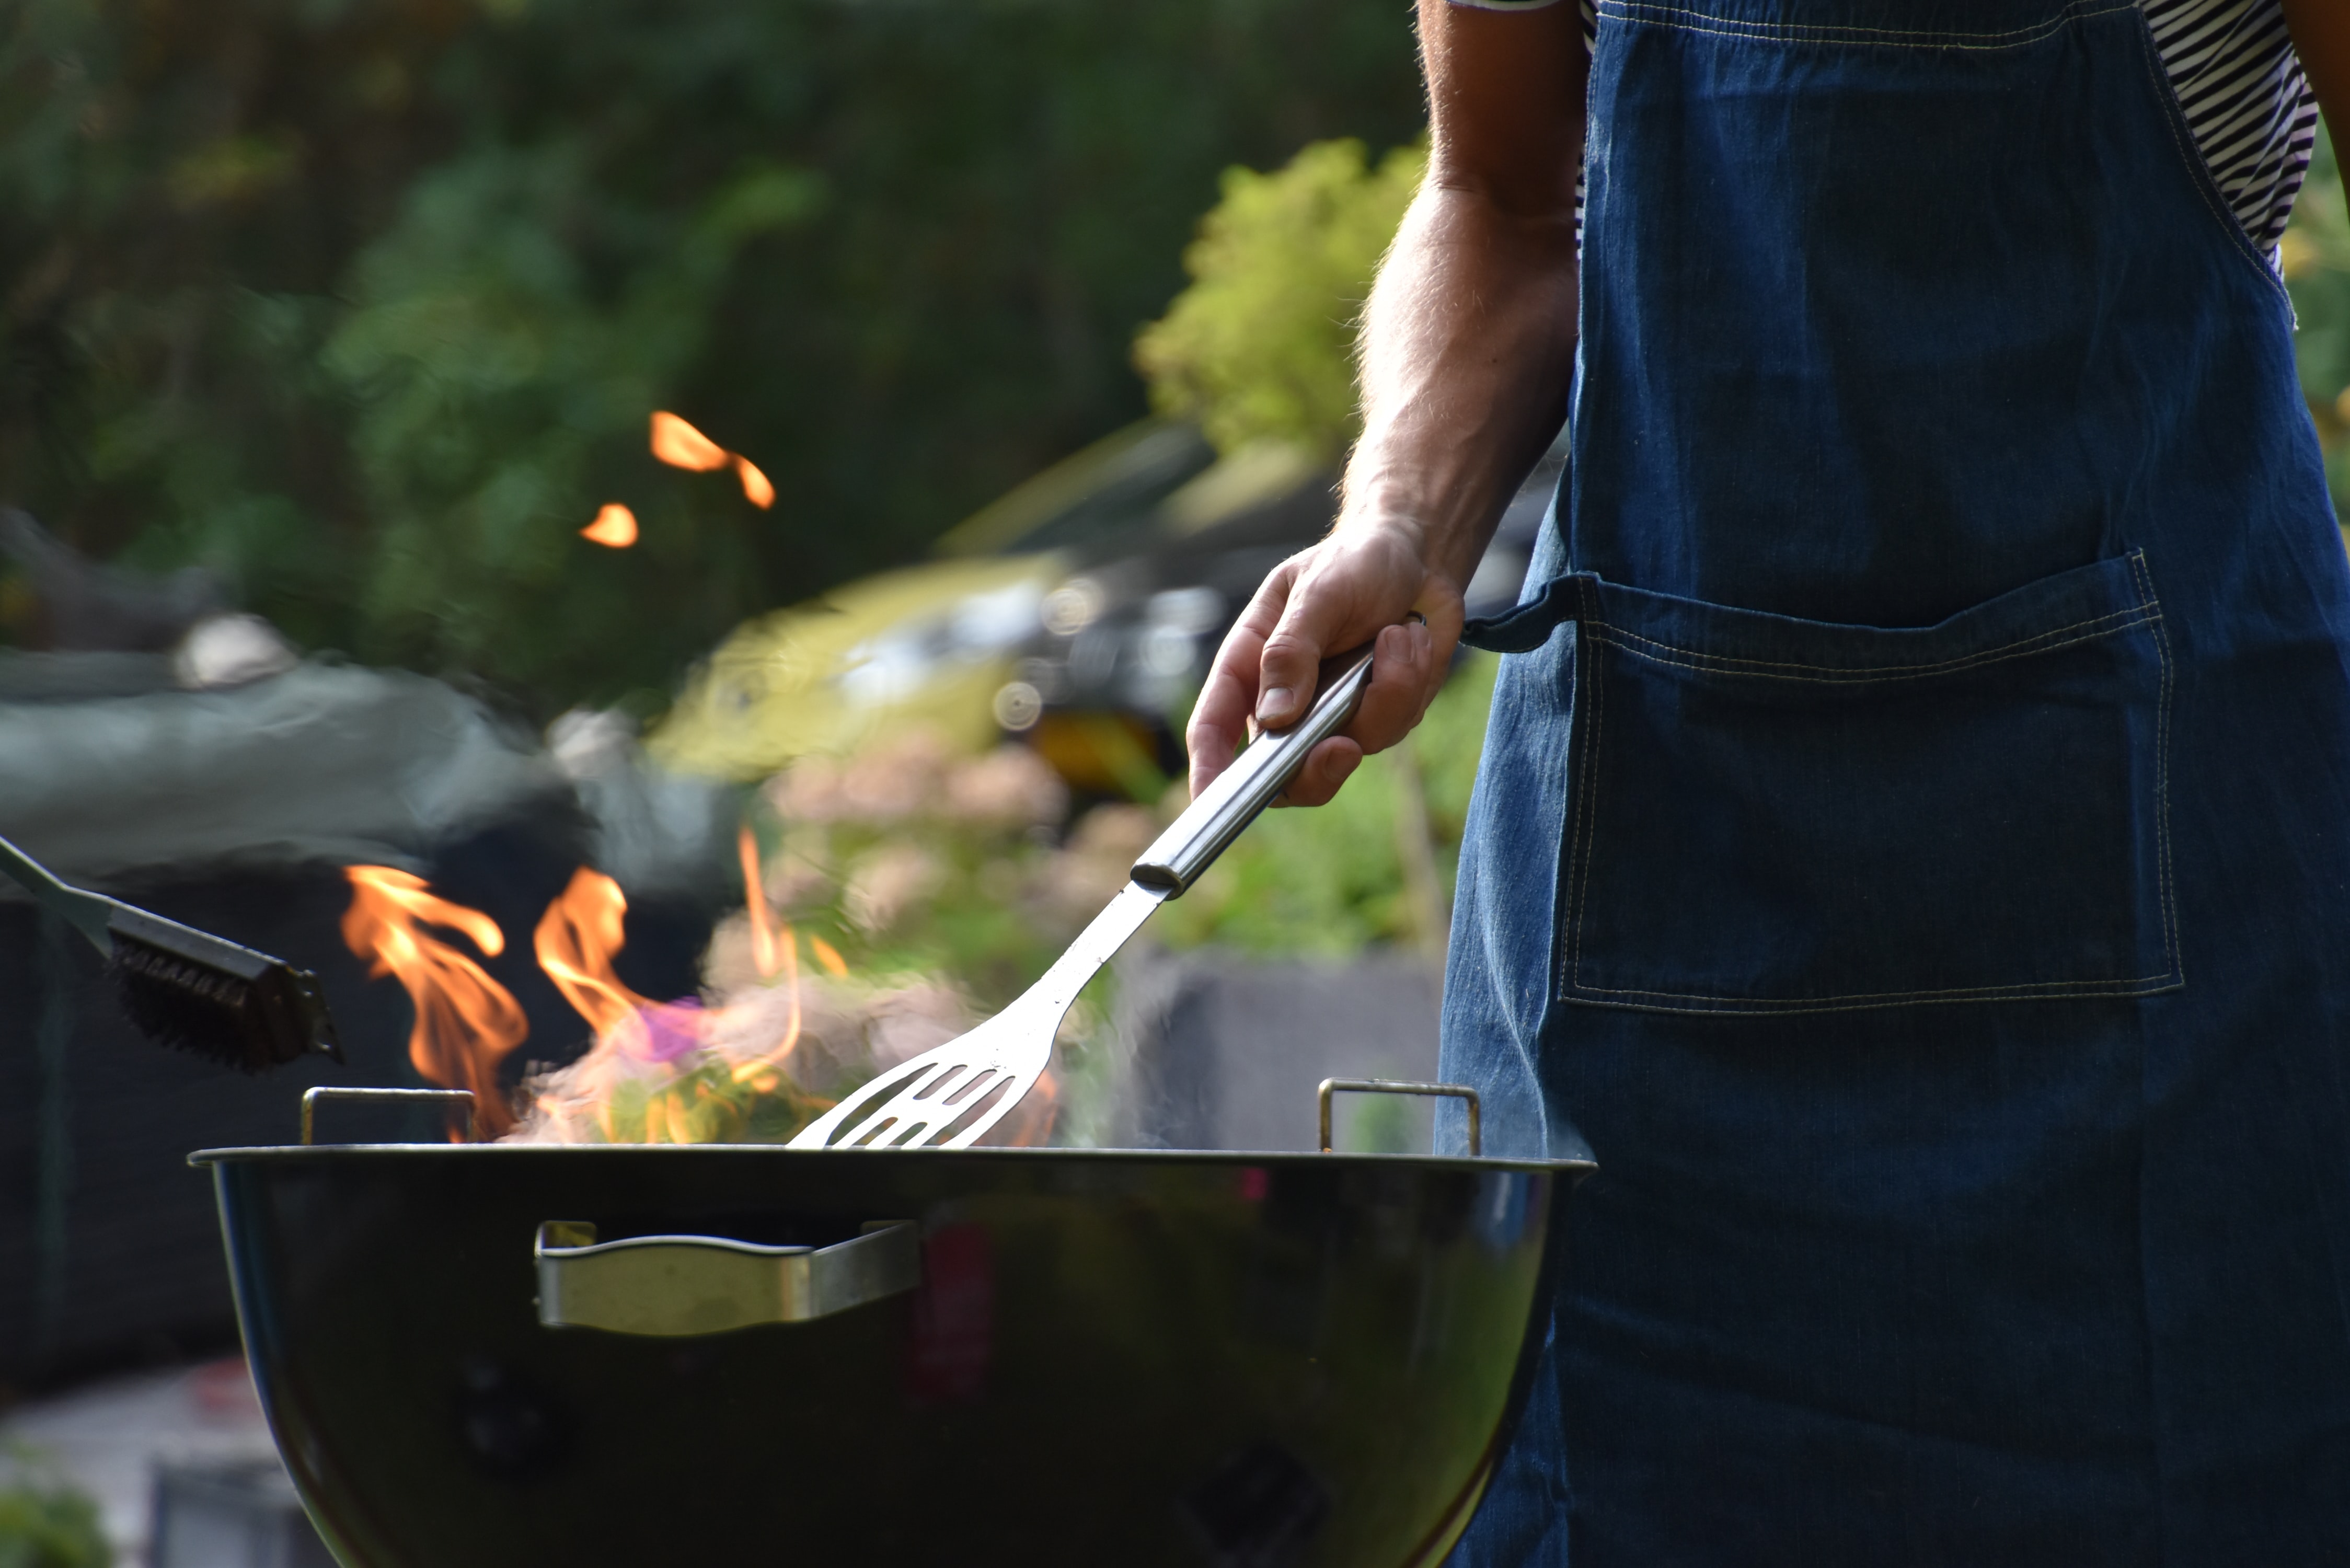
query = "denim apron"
x=1912 y=849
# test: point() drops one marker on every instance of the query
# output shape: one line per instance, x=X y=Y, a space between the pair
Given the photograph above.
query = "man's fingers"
x=1290 y=667
x=1402 y=678
x=1326 y=769
x=1220 y=718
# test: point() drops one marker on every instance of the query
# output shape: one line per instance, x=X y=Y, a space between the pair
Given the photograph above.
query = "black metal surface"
x=1113 y=1358
x=110 y=1246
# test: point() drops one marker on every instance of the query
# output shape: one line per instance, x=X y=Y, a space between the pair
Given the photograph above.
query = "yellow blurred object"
x=2296 y=254
x=930 y=645
x=1108 y=753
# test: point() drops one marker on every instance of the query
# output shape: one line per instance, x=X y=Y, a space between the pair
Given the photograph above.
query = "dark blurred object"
x=1260 y=1511
x=1227 y=1050
x=235 y=1514
x=1494 y=585
x=95 y=608
x=235 y=812
x=1165 y=544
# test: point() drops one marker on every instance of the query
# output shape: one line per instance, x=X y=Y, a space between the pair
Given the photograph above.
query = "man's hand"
x=1331 y=599
x=1468 y=350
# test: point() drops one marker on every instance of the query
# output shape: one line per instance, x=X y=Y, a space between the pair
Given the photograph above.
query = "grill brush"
x=187 y=990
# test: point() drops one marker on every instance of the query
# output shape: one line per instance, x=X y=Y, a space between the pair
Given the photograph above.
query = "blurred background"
x=665 y=551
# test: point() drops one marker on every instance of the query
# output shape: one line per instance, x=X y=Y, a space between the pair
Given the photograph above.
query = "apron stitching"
x=2012 y=988
x=2147 y=612
x=1867 y=38
x=1588 y=804
x=1831 y=674
x=2198 y=173
x=1706 y=664
x=2162 y=775
x=2051 y=990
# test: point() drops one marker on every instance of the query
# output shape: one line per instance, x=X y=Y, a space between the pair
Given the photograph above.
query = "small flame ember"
x=466 y=1022
x=679 y=445
x=755 y=486
x=615 y=526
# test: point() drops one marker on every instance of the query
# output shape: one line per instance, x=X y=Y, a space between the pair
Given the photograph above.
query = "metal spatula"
x=948 y=1097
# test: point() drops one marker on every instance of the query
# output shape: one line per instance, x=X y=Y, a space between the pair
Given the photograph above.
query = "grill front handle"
x=679 y=1287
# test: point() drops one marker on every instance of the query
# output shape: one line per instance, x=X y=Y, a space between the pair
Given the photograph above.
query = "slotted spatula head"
x=950 y=1097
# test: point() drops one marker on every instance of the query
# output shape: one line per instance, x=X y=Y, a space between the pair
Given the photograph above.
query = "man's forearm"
x=1469 y=342
x=1468 y=353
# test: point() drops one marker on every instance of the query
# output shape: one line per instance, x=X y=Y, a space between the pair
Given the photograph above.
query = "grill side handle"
x=1461 y=1092
x=681 y=1286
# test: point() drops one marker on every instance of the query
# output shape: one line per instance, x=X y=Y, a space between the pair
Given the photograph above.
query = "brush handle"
x=86 y=912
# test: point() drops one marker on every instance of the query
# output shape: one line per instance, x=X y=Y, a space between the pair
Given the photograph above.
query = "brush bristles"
x=250 y=1022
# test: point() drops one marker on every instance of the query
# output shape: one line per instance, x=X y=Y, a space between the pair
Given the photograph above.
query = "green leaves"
x=44 y=1523
x=2316 y=257
x=367 y=303
x=1261 y=347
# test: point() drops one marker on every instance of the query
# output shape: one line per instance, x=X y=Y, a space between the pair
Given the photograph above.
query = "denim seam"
x=2162 y=776
x=2048 y=990
x=2198 y=173
x=2149 y=612
x=1863 y=674
x=1586 y=804
x=1654 y=15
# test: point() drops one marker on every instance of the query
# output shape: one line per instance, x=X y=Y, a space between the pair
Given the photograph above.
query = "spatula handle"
x=1254 y=781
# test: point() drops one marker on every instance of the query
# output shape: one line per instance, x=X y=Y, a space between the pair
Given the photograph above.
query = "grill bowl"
x=1138 y=1359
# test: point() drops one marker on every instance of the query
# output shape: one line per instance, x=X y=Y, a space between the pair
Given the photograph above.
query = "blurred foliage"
x=46 y=1522
x=2316 y=257
x=914 y=857
x=365 y=302
x=1261 y=345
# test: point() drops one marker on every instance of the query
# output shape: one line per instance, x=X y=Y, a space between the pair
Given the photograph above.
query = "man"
x=1912 y=849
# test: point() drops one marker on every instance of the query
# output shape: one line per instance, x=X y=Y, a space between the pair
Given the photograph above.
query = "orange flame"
x=760 y=1071
x=576 y=939
x=754 y=900
x=755 y=486
x=1035 y=1117
x=770 y=955
x=466 y=1022
x=614 y=525
x=679 y=445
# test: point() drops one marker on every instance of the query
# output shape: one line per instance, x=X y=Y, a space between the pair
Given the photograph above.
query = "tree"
x=1261 y=345
x=366 y=302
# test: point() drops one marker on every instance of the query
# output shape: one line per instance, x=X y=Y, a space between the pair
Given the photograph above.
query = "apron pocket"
x=1781 y=816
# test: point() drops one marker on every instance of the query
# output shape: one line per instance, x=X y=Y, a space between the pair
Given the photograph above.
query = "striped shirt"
x=2232 y=68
